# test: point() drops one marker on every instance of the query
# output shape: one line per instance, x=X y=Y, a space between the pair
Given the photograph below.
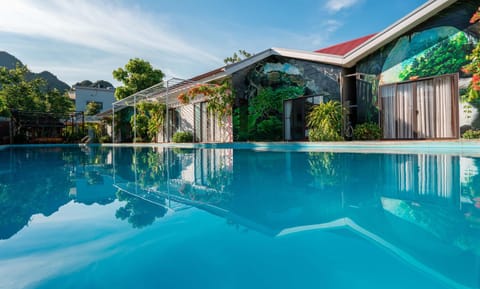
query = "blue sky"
x=88 y=39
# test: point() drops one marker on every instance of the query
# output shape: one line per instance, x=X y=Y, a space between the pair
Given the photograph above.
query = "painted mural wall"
x=437 y=47
x=262 y=88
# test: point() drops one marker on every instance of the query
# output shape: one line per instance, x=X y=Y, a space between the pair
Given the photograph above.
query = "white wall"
x=466 y=118
x=186 y=118
x=212 y=129
x=83 y=95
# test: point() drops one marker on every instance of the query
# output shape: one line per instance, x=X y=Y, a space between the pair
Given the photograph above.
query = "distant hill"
x=9 y=61
x=52 y=80
x=96 y=84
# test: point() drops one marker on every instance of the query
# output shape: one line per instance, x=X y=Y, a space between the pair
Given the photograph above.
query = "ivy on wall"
x=265 y=112
x=219 y=97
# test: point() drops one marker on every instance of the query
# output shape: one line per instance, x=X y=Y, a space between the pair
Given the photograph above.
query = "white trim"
x=312 y=56
x=414 y=18
x=291 y=53
x=395 y=30
x=382 y=38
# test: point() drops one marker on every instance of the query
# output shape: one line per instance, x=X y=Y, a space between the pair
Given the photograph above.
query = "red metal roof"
x=345 y=47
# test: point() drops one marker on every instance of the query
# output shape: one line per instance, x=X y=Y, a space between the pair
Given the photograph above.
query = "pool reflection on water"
x=103 y=217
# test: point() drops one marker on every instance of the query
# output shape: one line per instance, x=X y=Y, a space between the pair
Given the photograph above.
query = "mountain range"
x=9 y=61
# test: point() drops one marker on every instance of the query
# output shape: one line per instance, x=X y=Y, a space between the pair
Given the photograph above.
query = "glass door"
x=422 y=109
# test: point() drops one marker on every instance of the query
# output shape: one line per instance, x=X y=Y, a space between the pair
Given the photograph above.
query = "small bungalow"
x=408 y=78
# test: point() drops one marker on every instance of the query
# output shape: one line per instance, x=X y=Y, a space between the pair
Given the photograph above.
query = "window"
x=98 y=103
x=423 y=109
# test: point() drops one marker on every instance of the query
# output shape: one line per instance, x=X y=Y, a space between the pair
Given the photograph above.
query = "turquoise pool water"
x=123 y=217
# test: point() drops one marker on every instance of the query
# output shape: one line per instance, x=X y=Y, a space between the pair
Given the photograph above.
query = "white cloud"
x=337 y=5
x=332 y=25
x=88 y=39
x=105 y=26
x=44 y=249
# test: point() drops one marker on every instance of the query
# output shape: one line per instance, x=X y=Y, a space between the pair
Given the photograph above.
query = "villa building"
x=84 y=95
x=407 y=78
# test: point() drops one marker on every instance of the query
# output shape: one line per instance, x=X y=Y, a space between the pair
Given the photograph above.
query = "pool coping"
x=447 y=146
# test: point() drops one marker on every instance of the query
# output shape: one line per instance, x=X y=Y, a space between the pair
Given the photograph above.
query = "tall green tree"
x=242 y=54
x=137 y=75
x=57 y=102
x=18 y=93
x=92 y=108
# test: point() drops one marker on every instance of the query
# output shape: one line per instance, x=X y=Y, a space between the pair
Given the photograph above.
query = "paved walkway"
x=470 y=147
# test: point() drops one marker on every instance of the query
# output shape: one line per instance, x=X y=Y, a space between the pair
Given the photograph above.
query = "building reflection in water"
x=421 y=207
x=424 y=208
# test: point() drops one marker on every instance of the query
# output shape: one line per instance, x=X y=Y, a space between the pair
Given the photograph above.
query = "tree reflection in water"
x=27 y=190
x=41 y=180
x=138 y=212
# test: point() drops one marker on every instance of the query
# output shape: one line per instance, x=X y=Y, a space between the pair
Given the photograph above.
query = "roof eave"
x=310 y=56
x=395 y=30
x=290 y=53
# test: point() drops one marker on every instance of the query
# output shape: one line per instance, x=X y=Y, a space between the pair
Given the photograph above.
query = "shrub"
x=74 y=137
x=149 y=119
x=471 y=134
x=325 y=122
x=105 y=139
x=367 y=131
x=182 y=136
x=270 y=129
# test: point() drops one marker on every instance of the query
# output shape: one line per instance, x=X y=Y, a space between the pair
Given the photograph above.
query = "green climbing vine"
x=265 y=112
x=219 y=97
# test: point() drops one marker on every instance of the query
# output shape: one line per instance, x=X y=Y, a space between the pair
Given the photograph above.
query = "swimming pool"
x=158 y=217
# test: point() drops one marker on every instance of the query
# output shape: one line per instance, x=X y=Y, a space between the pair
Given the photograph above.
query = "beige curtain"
x=434 y=106
x=404 y=107
x=397 y=110
x=443 y=94
x=387 y=93
x=426 y=109
x=421 y=109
